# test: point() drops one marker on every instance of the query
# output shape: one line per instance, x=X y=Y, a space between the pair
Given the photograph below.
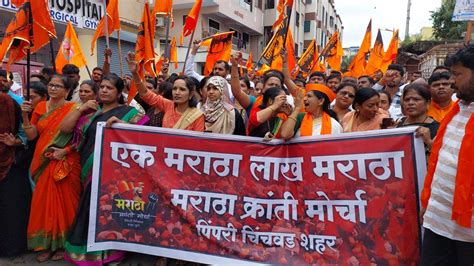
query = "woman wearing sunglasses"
x=345 y=94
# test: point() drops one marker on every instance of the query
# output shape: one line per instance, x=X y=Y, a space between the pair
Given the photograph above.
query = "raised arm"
x=107 y=57
x=132 y=66
x=288 y=127
x=286 y=73
x=189 y=70
x=239 y=95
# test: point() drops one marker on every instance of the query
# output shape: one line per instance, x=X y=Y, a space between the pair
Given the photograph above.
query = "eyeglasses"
x=346 y=93
x=55 y=86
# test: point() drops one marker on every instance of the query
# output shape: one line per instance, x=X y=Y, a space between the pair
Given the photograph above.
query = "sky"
x=355 y=15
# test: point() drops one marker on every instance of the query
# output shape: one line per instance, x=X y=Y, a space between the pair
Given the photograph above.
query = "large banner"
x=349 y=199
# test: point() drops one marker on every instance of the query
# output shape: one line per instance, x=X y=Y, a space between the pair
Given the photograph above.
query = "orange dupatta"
x=463 y=190
x=306 y=128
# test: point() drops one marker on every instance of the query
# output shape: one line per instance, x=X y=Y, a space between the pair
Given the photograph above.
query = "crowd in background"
x=46 y=206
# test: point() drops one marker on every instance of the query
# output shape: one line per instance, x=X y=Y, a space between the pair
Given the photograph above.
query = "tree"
x=443 y=27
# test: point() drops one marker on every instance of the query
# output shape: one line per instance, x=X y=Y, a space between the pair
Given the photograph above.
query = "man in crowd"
x=393 y=85
x=333 y=81
x=317 y=77
x=441 y=94
x=5 y=87
x=414 y=76
x=97 y=75
x=447 y=197
x=365 y=82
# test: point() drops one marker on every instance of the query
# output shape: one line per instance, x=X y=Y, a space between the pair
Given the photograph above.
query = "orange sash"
x=307 y=125
x=464 y=185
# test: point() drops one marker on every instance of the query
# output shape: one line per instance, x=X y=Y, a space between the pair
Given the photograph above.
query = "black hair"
x=347 y=84
x=273 y=73
x=226 y=64
x=48 y=71
x=152 y=82
x=300 y=79
x=68 y=85
x=191 y=87
x=363 y=95
x=326 y=103
x=92 y=84
x=201 y=85
x=172 y=77
x=439 y=76
x=166 y=89
x=39 y=88
x=463 y=56
x=397 y=67
x=441 y=67
x=118 y=83
x=317 y=73
x=246 y=81
x=334 y=76
x=419 y=88
x=371 y=80
x=97 y=68
x=3 y=73
x=70 y=69
x=270 y=94
x=416 y=72
x=388 y=96
x=41 y=78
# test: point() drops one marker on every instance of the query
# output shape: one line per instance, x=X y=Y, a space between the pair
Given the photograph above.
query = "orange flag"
x=159 y=64
x=70 y=51
x=333 y=52
x=113 y=23
x=376 y=56
x=220 y=49
x=262 y=70
x=144 y=50
x=192 y=18
x=391 y=53
x=181 y=39
x=22 y=32
x=357 y=66
x=310 y=58
x=163 y=7
x=277 y=60
x=174 y=53
x=249 y=64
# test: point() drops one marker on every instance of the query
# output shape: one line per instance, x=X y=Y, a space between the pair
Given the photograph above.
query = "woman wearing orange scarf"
x=55 y=172
x=318 y=118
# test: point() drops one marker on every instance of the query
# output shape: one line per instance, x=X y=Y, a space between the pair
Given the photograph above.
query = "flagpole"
x=119 y=48
x=167 y=48
x=106 y=28
x=189 y=48
x=28 y=53
x=290 y=8
x=88 y=72
x=53 y=61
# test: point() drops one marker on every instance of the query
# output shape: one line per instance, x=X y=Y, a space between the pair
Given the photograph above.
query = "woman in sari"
x=221 y=117
x=54 y=171
x=318 y=118
x=367 y=115
x=181 y=112
x=83 y=122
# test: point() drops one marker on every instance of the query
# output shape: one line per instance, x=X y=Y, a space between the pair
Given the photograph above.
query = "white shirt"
x=438 y=213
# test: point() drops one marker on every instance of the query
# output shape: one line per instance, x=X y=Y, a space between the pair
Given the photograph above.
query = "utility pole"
x=407 y=26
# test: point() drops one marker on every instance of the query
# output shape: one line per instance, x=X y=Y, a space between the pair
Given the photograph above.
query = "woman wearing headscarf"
x=220 y=116
x=318 y=118
x=15 y=189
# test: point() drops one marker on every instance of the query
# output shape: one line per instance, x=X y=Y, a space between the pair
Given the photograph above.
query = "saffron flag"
x=357 y=66
x=376 y=56
x=174 y=53
x=70 y=51
x=333 y=52
x=262 y=70
x=220 y=49
x=144 y=50
x=391 y=53
x=31 y=27
x=271 y=53
x=113 y=23
x=310 y=59
x=192 y=18
x=162 y=7
x=249 y=64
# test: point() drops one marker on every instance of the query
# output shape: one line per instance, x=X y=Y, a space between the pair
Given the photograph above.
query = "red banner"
x=343 y=199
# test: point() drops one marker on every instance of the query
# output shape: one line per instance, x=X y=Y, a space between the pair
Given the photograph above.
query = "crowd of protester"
x=46 y=207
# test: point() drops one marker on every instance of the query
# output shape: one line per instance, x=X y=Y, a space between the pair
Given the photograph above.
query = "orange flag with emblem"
x=357 y=66
x=113 y=23
x=144 y=50
x=31 y=27
x=333 y=52
x=220 y=49
x=174 y=53
x=310 y=59
x=376 y=56
x=192 y=18
x=70 y=51
x=249 y=64
x=391 y=53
